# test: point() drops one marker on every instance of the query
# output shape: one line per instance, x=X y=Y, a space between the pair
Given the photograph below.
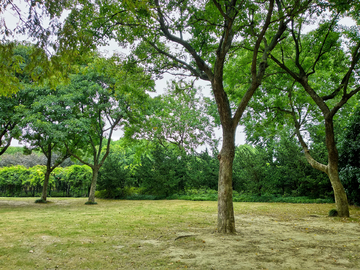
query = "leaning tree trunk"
x=226 y=219
x=341 y=201
x=45 y=185
x=95 y=170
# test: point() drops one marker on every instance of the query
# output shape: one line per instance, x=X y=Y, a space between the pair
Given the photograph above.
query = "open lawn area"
x=116 y=234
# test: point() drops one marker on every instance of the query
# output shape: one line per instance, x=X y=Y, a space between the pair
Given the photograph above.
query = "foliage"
x=349 y=153
x=163 y=172
x=77 y=177
x=277 y=167
x=203 y=170
x=13 y=104
x=179 y=117
x=282 y=167
x=11 y=180
x=20 y=181
x=206 y=194
x=114 y=176
x=251 y=170
x=333 y=213
x=13 y=150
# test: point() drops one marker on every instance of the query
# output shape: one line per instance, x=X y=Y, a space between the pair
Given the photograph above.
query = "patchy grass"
x=115 y=234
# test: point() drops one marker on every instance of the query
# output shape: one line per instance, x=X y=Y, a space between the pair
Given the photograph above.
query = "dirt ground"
x=261 y=242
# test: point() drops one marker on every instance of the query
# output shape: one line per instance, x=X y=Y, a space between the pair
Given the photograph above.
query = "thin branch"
x=342 y=102
x=184 y=64
x=216 y=3
x=297 y=50
x=321 y=53
x=199 y=61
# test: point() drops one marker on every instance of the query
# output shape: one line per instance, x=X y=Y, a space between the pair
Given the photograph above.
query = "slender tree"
x=44 y=128
x=327 y=41
x=315 y=75
x=107 y=98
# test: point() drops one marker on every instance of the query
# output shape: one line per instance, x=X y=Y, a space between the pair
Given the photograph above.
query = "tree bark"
x=45 y=185
x=95 y=170
x=48 y=154
x=341 y=201
x=226 y=219
x=331 y=169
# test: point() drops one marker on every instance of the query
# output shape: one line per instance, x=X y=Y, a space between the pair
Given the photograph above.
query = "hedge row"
x=64 y=181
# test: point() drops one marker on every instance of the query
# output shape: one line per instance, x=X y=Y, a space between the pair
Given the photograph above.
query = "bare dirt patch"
x=262 y=242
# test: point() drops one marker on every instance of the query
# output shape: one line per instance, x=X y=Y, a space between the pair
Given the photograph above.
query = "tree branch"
x=183 y=63
x=257 y=77
x=199 y=61
x=321 y=53
x=315 y=164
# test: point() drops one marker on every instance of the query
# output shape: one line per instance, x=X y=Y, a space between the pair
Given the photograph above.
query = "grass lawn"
x=117 y=234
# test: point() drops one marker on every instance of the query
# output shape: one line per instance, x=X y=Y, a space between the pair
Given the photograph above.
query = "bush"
x=90 y=203
x=40 y=201
x=333 y=213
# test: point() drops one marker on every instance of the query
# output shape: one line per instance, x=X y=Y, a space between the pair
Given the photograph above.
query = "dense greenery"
x=64 y=181
x=266 y=174
x=349 y=147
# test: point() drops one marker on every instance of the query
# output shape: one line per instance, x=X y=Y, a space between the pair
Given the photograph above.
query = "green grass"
x=67 y=234
x=115 y=234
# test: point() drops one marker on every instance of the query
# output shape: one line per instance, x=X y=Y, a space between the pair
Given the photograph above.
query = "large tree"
x=315 y=76
x=195 y=38
x=329 y=100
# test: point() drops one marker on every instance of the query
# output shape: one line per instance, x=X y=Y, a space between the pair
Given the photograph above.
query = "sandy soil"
x=261 y=242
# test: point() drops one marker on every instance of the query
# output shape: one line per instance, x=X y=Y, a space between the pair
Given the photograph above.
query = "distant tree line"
x=277 y=167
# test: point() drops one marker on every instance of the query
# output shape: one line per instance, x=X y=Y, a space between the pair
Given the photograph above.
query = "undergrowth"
x=204 y=194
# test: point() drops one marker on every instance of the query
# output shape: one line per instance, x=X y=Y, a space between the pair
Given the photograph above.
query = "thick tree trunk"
x=45 y=185
x=341 y=201
x=95 y=170
x=226 y=219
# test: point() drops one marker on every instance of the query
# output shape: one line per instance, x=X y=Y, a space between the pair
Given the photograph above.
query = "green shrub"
x=40 y=201
x=333 y=213
x=144 y=197
x=90 y=203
